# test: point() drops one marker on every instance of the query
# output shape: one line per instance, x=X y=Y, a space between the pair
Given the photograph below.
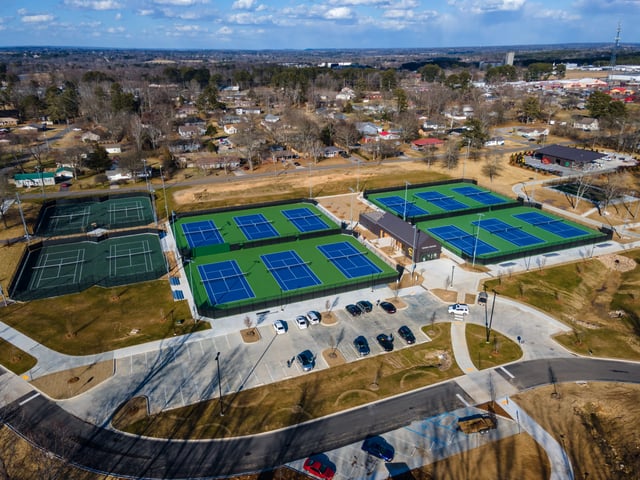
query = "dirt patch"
x=250 y=335
x=449 y=296
x=69 y=383
x=618 y=262
x=328 y=318
x=333 y=357
x=595 y=422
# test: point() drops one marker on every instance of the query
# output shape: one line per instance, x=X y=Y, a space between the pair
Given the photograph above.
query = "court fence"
x=19 y=287
x=217 y=311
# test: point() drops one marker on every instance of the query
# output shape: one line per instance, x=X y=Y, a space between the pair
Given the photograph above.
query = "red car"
x=318 y=469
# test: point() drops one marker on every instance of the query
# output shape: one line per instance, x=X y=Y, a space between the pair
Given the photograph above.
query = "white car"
x=459 y=309
x=313 y=317
x=301 y=322
x=280 y=327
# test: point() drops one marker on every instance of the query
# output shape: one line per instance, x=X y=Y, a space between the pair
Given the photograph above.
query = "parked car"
x=379 y=447
x=313 y=317
x=280 y=327
x=459 y=309
x=306 y=360
x=319 y=468
x=354 y=310
x=301 y=322
x=385 y=341
x=406 y=334
x=362 y=346
x=365 y=306
x=482 y=298
x=388 y=307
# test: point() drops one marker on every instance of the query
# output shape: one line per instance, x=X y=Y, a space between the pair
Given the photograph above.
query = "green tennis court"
x=487 y=236
x=216 y=231
x=57 y=268
x=79 y=215
x=281 y=272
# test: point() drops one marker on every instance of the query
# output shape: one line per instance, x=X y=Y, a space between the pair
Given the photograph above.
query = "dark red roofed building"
x=423 y=143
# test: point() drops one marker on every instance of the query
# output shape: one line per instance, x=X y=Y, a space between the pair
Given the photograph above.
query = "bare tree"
x=451 y=153
x=584 y=182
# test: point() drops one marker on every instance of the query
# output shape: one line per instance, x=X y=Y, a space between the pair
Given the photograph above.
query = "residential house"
x=346 y=94
x=248 y=111
x=230 y=129
x=494 y=142
x=422 y=144
x=331 y=152
x=113 y=149
x=37 y=179
x=191 y=131
x=8 y=120
x=532 y=132
x=184 y=146
x=217 y=162
x=186 y=111
x=118 y=174
x=588 y=124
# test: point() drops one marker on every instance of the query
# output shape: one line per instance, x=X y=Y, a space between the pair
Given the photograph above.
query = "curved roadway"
x=103 y=450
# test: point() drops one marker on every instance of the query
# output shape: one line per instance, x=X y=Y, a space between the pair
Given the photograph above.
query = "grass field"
x=497 y=351
x=99 y=320
x=587 y=296
x=15 y=359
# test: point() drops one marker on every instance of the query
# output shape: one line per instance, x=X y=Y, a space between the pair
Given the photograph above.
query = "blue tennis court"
x=349 y=260
x=255 y=226
x=442 y=201
x=466 y=242
x=399 y=206
x=224 y=282
x=201 y=233
x=289 y=270
x=305 y=220
x=508 y=232
x=554 y=225
x=480 y=196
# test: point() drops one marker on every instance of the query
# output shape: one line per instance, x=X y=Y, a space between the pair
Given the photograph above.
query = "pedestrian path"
x=561 y=468
x=460 y=348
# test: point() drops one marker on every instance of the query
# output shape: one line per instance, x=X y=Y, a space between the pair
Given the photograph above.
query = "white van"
x=459 y=309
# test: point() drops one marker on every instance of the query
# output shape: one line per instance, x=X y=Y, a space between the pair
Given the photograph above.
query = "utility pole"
x=220 y=385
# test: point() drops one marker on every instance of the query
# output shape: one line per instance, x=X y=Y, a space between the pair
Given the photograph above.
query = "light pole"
x=464 y=162
x=493 y=304
x=413 y=251
x=453 y=268
x=406 y=188
x=351 y=208
x=220 y=385
x=164 y=193
x=24 y=224
x=475 y=244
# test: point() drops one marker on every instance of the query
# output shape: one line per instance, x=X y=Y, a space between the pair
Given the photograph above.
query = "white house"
x=113 y=149
x=230 y=129
x=118 y=174
x=346 y=94
x=494 y=142
x=588 y=124
x=34 y=179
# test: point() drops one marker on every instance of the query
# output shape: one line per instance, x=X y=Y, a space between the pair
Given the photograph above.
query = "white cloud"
x=224 y=31
x=38 y=18
x=22 y=11
x=179 y=3
x=115 y=30
x=486 y=6
x=561 y=15
x=118 y=16
x=398 y=13
x=338 y=13
x=94 y=4
x=355 y=3
x=145 y=12
x=242 y=4
x=187 y=28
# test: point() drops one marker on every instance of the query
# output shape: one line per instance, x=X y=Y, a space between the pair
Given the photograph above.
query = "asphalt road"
x=103 y=450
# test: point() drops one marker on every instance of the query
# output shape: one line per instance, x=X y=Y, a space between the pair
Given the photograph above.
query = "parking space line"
x=507 y=372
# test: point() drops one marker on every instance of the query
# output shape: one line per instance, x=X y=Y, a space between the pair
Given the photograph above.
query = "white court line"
x=507 y=372
x=37 y=394
x=463 y=400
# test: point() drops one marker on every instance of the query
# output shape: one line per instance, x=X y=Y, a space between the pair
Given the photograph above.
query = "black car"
x=306 y=360
x=406 y=334
x=388 y=307
x=362 y=346
x=365 y=306
x=385 y=341
x=378 y=447
x=354 y=310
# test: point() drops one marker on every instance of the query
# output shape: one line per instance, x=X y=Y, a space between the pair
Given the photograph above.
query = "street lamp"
x=413 y=251
x=453 y=268
x=493 y=304
x=164 y=193
x=351 y=208
x=406 y=187
x=475 y=244
x=220 y=385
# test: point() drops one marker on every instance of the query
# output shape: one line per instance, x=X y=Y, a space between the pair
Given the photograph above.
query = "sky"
x=302 y=24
